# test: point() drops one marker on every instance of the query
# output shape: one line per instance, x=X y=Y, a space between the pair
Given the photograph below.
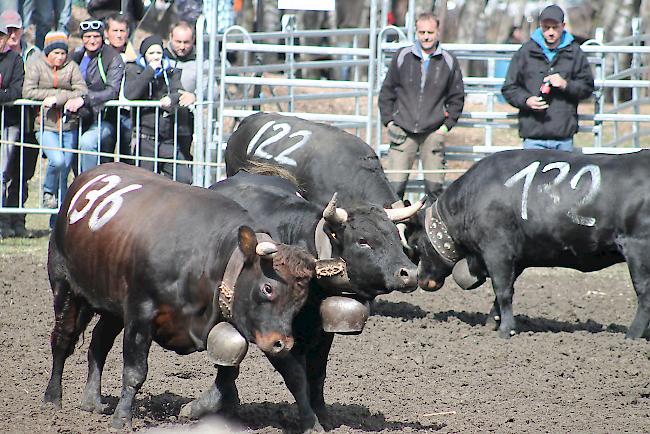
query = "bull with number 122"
x=168 y=263
x=540 y=208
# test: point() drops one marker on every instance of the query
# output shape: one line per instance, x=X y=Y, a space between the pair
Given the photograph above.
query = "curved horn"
x=334 y=215
x=401 y=228
x=266 y=248
x=400 y=214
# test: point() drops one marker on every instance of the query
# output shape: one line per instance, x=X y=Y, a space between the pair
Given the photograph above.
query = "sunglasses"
x=90 y=25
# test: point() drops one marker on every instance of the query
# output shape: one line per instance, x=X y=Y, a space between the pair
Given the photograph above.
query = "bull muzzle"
x=407 y=279
x=274 y=344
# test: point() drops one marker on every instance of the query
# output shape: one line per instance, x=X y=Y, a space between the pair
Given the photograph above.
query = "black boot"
x=18 y=225
x=433 y=189
x=398 y=188
x=6 y=230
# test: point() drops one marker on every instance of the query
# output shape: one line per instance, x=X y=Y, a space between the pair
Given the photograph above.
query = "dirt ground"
x=424 y=363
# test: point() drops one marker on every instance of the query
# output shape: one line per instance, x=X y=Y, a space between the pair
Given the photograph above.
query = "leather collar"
x=439 y=237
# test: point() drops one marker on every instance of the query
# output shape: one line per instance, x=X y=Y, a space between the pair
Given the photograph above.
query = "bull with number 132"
x=540 y=208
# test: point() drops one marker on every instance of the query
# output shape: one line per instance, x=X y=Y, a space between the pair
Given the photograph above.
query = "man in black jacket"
x=12 y=74
x=546 y=80
x=421 y=99
x=103 y=70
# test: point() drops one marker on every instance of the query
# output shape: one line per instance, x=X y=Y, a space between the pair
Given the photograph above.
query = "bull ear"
x=247 y=243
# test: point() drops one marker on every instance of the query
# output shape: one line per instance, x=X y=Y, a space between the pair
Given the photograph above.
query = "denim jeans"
x=90 y=141
x=39 y=13
x=560 y=145
x=59 y=162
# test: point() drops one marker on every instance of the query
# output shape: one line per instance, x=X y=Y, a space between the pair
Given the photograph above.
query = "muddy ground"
x=425 y=363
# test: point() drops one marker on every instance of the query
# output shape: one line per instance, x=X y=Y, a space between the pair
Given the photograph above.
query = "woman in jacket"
x=53 y=79
x=152 y=78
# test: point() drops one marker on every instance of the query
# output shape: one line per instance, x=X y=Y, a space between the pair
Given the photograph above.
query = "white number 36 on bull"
x=107 y=208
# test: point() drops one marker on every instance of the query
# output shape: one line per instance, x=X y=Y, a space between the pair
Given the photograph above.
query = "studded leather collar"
x=439 y=237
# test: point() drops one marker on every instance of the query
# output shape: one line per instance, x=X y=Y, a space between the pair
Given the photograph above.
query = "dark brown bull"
x=148 y=255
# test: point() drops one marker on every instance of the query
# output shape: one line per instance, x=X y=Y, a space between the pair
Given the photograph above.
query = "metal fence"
x=227 y=93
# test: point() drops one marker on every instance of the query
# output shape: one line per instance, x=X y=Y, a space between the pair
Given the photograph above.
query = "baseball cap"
x=11 y=19
x=553 y=13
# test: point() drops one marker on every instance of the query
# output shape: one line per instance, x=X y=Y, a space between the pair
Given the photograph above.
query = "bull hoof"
x=186 y=412
x=121 y=423
x=94 y=406
x=51 y=404
x=506 y=334
x=317 y=428
x=492 y=322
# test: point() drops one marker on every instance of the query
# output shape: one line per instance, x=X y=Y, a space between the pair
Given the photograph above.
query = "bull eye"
x=363 y=243
x=268 y=291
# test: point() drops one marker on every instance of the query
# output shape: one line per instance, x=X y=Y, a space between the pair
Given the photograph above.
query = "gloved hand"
x=395 y=133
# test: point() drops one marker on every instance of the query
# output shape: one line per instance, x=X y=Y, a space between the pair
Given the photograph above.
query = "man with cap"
x=12 y=74
x=21 y=160
x=103 y=69
x=546 y=79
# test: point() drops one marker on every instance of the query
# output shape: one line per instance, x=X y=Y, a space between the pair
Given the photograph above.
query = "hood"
x=538 y=37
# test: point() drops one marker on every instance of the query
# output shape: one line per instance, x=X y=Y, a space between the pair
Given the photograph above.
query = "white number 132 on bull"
x=563 y=168
x=99 y=216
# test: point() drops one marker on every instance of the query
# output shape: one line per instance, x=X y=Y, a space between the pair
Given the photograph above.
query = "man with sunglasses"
x=102 y=68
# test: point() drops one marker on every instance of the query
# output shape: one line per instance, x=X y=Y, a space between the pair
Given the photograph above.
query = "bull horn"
x=334 y=215
x=401 y=214
x=401 y=228
x=266 y=248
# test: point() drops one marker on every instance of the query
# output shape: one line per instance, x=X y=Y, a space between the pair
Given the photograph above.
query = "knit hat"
x=552 y=13
x=148 y=42
x=54 y=40
x=11 y=19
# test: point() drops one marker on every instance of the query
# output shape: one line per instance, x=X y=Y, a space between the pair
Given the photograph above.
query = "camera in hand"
x=545 y=91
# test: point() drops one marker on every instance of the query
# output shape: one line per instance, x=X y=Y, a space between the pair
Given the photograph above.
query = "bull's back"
x=323 y=158
x=122 y=229
x=574 y=203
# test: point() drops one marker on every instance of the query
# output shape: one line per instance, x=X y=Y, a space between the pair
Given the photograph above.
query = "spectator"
x=102 y=68
x=133 y=10
x=47 y=15
x=152 y=78
x=515 y=36
x=22 y=159
x=420 y=100
x=181 y=53
x=550 y=57
x=56 y=81
x=11 y=84
x=117 y=36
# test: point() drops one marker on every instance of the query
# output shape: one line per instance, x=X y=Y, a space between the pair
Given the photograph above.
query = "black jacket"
x=417 y=108
x=100 y=91
x=140 y=84
x=528 y=67
x=12 y=75
x=100 y=9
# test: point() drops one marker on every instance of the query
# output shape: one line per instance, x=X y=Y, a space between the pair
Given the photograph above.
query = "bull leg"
x=316 y=373
x=640 y=273
x=494 y=317
x=104 y=334
x=137 y=342
x=293 y=371
x=71 y=317
x=222 y=394
x=503 y=279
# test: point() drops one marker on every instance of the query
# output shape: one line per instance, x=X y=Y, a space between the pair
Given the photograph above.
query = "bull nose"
x=274 y=343
x=408 y=279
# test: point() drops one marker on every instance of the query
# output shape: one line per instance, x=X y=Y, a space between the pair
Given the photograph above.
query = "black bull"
x=148 y=255
x=525 y=208
x=363 y=237
x=323 y=158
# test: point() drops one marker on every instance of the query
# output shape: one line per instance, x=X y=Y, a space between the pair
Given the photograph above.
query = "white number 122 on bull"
x=99 y=217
